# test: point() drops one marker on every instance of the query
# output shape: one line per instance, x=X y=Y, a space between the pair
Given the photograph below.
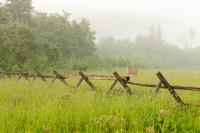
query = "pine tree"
x=20 y=10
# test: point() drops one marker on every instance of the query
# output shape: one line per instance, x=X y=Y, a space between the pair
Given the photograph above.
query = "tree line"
x=150 y=50
x=30 y=39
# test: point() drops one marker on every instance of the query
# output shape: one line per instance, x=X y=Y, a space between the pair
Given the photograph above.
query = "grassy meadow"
x=35 y=107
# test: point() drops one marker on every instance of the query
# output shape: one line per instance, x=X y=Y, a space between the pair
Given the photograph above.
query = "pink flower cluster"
x=17 y=96
x=181 y=118
x=162 y=111
x=65 y=95
x=46 y=128
x=150 y=130
x=109 y=121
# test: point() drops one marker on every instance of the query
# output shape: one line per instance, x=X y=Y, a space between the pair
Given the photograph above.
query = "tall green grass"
x=36 y=107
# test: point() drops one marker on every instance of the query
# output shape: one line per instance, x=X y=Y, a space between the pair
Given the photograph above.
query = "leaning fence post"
x=5 y=73
x=52 y=81
x=38 y=74
x=157 y=89
x=79 y=83
x=123 y=83
x=171 y=90
x=59 y=77
x=86 y=80
x=112 y=86
x=23 y=75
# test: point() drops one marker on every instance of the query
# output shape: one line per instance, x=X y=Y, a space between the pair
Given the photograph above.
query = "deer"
x=131 y=70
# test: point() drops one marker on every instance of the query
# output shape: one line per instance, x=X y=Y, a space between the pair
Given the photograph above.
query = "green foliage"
x=45 y=41
x=83 y=38
x=21 y=49
x=72 y=39
x=37 y=107
x=4 y=16
x=150 y=50
x=20 y=10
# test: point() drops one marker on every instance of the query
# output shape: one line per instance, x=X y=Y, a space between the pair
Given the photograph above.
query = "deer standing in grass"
x=131 y=70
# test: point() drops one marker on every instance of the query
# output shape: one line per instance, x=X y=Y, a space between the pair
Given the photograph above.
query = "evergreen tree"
x=4 y=16
x=20 y=10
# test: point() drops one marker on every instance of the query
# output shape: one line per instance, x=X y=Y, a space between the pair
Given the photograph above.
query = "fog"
x=148 y=33
x=128 y=18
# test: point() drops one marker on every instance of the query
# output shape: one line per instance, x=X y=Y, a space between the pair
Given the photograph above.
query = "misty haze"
x=99 y=66
x=141 y=33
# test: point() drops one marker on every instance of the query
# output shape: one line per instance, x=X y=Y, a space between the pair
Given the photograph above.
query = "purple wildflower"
x=46 y=128
x=162 y=111
x=65 y=95
x=17 y=96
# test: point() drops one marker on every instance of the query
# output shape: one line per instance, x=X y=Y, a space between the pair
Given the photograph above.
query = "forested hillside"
x=31 y=39
x=150 y=50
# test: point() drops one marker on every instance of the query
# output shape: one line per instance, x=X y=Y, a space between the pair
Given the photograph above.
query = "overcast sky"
x=187 y=10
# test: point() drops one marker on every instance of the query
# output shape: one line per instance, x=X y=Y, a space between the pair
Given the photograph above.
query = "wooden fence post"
x=86 y=80
x=112 y=86
x=171 y=90
x=38 y=74
x=23 y=75
x=5 y=73
x=122 y=82
x=157 y=89
x=79 y=82
x=59 y=77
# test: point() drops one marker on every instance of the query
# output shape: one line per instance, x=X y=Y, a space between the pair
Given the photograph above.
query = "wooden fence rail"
x=123 y=80
x=75 y=76
x=81 y=76
x=191 y=88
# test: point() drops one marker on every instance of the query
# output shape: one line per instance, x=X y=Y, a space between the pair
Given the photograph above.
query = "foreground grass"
x=35 y=107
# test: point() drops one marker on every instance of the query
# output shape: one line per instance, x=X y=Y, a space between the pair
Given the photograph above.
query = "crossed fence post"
x=5 y=73
x=171 y=90
x=25 y=75
x=58 y=76
x=38 y=74
x=121 y=81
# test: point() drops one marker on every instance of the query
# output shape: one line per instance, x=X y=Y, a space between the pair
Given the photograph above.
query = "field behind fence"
x=34 y=106
x=123 y=80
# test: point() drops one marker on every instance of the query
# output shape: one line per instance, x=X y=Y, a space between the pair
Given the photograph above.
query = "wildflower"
x=65 y=95
x=46 y=128
x=122 y=130
x=17 y=96
x=150 y=130
x=96 y=118
x=111 y=125
x=162 y=111
x=181 y=118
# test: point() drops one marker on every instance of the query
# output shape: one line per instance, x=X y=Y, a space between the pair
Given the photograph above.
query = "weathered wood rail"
x=75 y=76
x=191 y=88
x=81 y=76
x=123 y=80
